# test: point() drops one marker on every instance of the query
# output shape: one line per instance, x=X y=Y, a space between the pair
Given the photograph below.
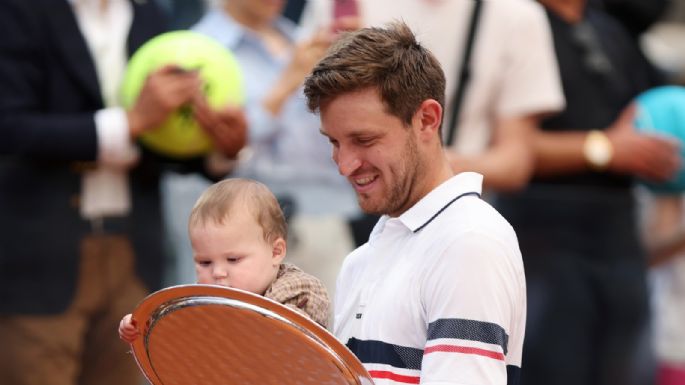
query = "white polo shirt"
x=437 y=295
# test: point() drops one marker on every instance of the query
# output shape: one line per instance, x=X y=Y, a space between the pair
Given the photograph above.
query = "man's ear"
x=278 y=251
x=428 y=118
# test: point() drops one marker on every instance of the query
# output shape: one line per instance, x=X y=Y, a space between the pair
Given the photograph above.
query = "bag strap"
x=464 y=73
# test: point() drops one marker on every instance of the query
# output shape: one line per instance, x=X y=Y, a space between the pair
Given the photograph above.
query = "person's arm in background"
x=165 y=90
x=227 y=126
x=30 y=132
x=508 y=162
x=530 y=89
x=628 y=152
x=307 y=53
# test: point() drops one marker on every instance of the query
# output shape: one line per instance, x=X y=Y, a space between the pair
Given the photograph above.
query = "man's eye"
x=365 y=141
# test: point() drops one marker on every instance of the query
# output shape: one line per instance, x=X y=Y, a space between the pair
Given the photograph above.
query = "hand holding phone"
x=342 y=8
x=345 y=16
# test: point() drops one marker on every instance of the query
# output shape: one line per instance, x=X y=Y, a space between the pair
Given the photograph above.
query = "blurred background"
x=325 y=223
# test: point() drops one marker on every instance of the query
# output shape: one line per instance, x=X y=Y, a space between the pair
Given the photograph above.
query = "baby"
x=238 y=234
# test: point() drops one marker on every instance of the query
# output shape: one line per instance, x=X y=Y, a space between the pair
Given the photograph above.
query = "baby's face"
x=234 y=254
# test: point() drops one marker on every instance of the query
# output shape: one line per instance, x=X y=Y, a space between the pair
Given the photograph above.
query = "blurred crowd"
x=540 y=100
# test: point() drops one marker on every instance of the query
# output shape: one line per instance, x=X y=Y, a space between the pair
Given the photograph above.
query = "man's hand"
x=164 y=91
x=227 y=127
x=306 y=54
x=346 y=24
x=647 y=156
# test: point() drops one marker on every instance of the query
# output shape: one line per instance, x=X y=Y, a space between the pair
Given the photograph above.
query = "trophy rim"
x=157 y=305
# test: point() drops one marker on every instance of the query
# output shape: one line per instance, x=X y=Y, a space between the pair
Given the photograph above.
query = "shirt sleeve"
x=304 y=294
x=115 y=147
x=531 y=82
x=473 y=296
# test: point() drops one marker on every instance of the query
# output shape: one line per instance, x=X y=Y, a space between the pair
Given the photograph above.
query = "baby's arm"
x=128 y=329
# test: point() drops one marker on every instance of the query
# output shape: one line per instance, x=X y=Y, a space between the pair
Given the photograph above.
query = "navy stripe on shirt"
x=466 y=329
x=379 y=352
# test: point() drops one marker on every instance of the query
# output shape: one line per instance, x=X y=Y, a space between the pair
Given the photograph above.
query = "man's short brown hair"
x=388 y=59
x=216 y=203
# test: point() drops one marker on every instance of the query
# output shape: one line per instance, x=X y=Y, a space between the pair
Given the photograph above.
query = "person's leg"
x=106 y=358
x=562 y=319
x=626 y=355
x=39 y=350
x=561 y=326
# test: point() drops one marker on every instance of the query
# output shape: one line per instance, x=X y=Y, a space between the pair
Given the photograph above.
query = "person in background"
x=437 y=295
x=576 y=220
x=80 y=230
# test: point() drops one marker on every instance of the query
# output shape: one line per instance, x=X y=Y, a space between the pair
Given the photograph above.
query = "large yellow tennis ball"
x=180 y=136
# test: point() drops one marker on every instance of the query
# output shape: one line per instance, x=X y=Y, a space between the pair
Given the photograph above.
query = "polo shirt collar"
x=431 y=205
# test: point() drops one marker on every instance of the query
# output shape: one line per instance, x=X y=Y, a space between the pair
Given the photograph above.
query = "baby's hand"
x=128 y=329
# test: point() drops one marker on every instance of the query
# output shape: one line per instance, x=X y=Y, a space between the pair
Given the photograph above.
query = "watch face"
x=214 y=335
x=597 y=149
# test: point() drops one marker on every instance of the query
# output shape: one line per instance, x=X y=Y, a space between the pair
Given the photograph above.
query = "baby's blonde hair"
x=216 y=203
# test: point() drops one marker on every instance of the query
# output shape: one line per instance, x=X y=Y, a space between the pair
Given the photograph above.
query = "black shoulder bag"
x=464 y=73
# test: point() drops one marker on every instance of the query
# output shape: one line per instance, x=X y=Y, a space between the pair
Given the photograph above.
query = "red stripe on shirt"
x=394 y=376
x=465 y=350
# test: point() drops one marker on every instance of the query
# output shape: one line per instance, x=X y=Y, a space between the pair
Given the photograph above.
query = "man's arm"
x=474 y=300
x=508 y=163
x=629 y=152
x=529 y=89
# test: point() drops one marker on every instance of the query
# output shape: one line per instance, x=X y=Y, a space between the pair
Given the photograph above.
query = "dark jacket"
x=48 y=95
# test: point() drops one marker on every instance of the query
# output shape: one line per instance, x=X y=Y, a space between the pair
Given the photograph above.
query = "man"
x=80 y=226
x=437 y=295
x=577 y=219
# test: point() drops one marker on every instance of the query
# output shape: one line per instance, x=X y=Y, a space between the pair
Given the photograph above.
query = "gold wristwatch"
x=597 y=150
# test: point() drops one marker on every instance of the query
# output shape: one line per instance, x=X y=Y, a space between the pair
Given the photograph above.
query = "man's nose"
x=348 y=162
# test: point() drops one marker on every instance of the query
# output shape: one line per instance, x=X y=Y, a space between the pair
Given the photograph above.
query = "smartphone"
x=344 y=8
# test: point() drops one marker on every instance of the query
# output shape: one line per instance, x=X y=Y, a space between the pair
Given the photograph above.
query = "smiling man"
x=437 y=295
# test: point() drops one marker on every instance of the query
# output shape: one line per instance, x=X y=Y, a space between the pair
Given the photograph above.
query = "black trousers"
x=586 y=278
